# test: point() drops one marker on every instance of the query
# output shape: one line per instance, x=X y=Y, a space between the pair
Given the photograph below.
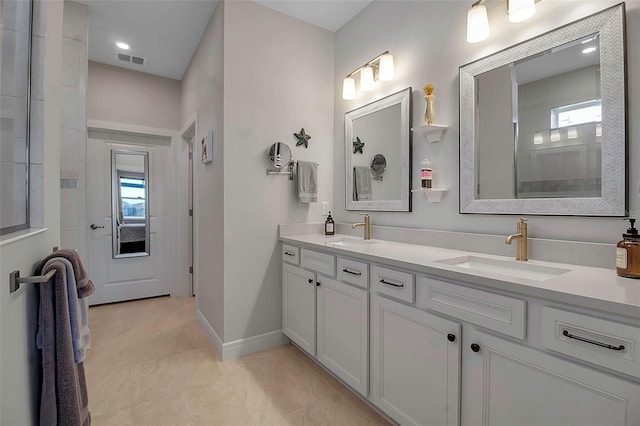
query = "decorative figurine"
x=357 y=146
x=303 y=138
x=429 y=108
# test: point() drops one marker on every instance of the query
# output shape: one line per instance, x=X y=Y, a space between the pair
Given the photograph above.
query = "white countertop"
x=595 y=288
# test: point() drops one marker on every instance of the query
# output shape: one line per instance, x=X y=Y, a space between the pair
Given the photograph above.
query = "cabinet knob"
x=451 y=337
x=310 y=280
x=317 y=283
x=475 y=347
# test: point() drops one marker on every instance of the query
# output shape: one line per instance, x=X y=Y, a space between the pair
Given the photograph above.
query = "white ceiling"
x=166 y=32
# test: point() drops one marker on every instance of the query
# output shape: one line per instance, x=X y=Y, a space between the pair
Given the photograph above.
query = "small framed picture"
x=206 y=147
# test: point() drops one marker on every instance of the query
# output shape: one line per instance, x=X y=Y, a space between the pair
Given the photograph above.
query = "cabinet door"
x=299 y=306
x=415 y=364
x=508 y=384
x=343 y=332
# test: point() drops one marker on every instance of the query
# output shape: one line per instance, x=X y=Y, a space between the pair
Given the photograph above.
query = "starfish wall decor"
x=358 y=145
x=303 y=138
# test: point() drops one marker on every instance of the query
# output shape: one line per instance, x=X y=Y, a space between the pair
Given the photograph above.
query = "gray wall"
x=427 y=40
x=19 y=359
x=119 y=95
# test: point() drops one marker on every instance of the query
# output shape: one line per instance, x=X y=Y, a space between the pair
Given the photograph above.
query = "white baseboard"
x=211 y=334
x=240 y=347
x=252 y=344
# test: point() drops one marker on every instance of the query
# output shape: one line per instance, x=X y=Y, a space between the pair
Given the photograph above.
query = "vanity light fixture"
x=381 y=68
x=598 y=130
x=538 y=139
x=572 y=133
x=554 y=135
x=520 y=10
x=122 y=45
x=478 y=22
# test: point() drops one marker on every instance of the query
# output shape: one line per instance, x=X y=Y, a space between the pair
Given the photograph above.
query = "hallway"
x=149 y=364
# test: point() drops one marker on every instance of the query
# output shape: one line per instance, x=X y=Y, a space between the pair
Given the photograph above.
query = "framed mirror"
x=130 y=203
x=378 y=154
x=543 y=124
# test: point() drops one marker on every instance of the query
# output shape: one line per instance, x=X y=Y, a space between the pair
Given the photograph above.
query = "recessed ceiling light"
x=123 y=46
x=589 y=50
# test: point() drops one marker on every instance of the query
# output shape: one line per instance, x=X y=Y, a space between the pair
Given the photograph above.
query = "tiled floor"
x=149 y=364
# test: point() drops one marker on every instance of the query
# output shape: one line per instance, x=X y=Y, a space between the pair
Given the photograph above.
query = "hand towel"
x=78 y=314
x=362 y=183
x=64 y=399
x=84 y=284
x=307 y=182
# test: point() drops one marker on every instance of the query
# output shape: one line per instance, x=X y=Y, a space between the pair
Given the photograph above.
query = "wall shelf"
x=432 y=132
x=433 y=195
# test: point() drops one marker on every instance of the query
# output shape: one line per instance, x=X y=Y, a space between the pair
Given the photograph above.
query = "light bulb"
x=521 y=10
x=366 y=79
x=537 y=139
x=477 y=24
x=387 y=71
x=348 y=89
x=123 y=46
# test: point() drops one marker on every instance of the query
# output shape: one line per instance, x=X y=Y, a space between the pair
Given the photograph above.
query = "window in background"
x=580 y=113
x=14 y=114
x=132 y=196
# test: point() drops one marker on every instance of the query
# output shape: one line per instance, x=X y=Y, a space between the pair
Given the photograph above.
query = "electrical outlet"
x=325 y=208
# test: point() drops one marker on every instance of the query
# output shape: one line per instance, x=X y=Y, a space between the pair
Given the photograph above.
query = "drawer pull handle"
x=288 y=253
x=593 y=342
x=382 y=281
x=351 y=272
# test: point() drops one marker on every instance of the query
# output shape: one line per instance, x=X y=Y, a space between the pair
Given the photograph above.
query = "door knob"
x=94 y=226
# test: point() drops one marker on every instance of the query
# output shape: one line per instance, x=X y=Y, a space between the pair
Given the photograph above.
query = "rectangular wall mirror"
x=378 y=154
x=130 y=203
x=542 y=124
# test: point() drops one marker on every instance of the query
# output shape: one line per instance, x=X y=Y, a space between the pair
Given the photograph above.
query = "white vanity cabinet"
x=415 y=364
x=343 y=332
x=328 y=318
x=506 y=383
x=299 y=306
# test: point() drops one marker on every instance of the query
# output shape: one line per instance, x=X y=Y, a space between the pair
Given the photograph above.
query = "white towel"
x=78 y=313
x=362 y=183
x=307 y=181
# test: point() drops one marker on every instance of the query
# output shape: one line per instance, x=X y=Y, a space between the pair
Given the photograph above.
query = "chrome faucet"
x=366 y=224
x=521 y=236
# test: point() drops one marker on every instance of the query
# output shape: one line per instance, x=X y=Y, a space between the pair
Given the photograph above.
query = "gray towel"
x=84 y=284
x=64 y=399
x=78 y=314
x=307 y=182
x=362 y=183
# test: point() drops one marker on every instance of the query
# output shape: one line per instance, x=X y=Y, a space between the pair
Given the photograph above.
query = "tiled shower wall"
x=73 y=141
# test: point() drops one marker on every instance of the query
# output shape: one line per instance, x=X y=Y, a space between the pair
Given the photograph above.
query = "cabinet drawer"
x=598 y=341
x=319 y=262
x=400 y=285
x=493 y=311
x=353 y=272
x=290 y=254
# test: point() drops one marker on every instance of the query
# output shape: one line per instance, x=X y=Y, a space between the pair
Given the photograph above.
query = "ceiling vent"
x=136 y=60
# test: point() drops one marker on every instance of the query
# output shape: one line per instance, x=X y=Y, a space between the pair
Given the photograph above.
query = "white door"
x=133 y=277
x=509 y=384
x=415 y=364
x=343 y=332
x=299 y=307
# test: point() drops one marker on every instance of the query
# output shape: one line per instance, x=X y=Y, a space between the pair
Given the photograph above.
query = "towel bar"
x=15 y=280
x=289 y=170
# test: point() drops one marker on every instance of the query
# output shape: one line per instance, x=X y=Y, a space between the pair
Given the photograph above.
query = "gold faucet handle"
x=523 y=219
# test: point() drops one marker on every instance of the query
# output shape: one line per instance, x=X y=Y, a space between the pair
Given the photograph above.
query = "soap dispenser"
x=628 y=253
x=329 y=226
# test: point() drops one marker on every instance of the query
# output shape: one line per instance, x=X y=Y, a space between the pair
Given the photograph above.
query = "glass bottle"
x=628 y=253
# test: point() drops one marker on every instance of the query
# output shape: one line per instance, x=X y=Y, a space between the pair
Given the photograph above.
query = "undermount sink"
x=349 y=242
x=506 y=268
